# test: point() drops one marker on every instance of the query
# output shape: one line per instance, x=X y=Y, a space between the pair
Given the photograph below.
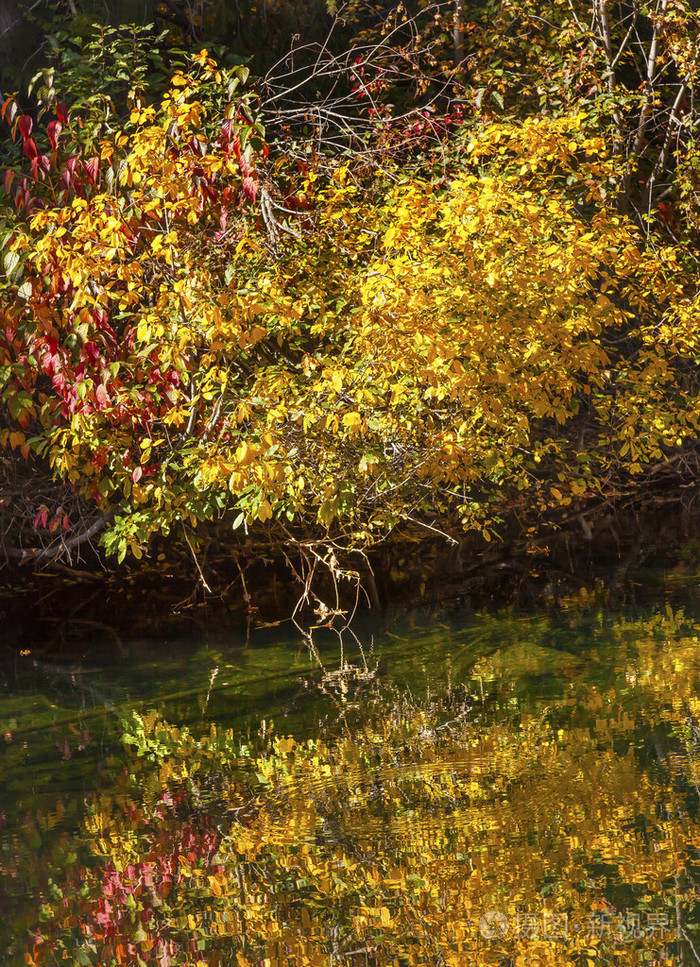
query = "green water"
x=471 y=789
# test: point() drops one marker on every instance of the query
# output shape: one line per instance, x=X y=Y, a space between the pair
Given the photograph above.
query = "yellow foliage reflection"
x=482 y=829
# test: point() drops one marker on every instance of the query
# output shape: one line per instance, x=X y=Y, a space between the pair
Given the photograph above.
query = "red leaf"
x=102 y=397
x=245 y=165
x=9 y=178
x=92 y=167
x=53 y=130
x=137 y=474
x=9 y=107
x=30 y=149
x=250 y=187
x=62 y=113
x=25 y=125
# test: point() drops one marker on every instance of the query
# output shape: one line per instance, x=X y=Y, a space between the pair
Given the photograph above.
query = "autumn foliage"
x=195 y=326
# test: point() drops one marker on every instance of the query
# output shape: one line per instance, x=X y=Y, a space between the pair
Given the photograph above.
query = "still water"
x=470 y=790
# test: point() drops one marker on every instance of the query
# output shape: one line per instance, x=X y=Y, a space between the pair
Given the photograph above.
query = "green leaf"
x=19 y=404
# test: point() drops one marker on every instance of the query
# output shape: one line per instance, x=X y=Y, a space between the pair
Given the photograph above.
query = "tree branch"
x=38 y=554
x=662 y=158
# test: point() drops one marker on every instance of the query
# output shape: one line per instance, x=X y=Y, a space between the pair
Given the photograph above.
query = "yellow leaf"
x=245 y=454
x=255 y=334
x=325 y=512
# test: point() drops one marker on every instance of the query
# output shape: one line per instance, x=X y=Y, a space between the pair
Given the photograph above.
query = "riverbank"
x=92 y=607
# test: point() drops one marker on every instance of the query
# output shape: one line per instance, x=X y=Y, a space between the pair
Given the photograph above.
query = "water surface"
x=480 y=789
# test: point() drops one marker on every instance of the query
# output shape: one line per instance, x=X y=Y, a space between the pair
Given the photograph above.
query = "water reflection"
x=538 y=807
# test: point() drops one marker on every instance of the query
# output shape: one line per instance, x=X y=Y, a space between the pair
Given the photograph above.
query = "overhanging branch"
x=55 y=551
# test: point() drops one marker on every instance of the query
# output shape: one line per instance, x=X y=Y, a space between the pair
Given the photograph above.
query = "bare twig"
x=63 y=548
x=196 y=561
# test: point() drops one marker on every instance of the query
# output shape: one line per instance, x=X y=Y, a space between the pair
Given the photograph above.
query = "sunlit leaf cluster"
x=193 y=327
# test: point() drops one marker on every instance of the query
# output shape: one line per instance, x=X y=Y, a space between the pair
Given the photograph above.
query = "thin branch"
x=38 y=554
x=625 y=41
x=19 y=19
x=435 y=530
x=662 y=158
x=194 y=558
x=649 y=84
x=601 y=16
